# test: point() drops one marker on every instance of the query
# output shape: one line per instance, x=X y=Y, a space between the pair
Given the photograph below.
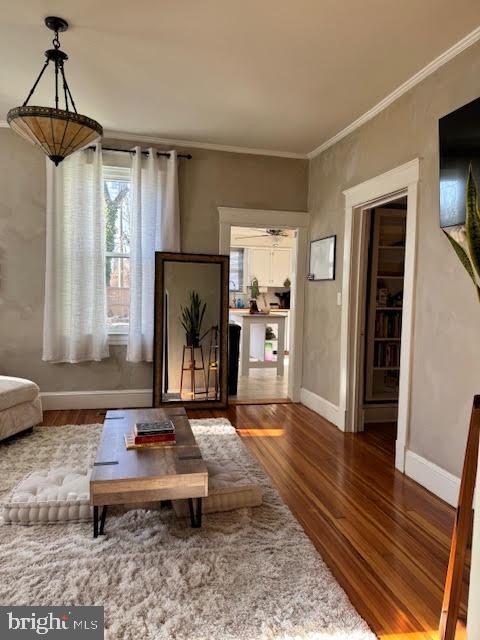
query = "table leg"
x=99 y=530
x=102 y=520
x=195 y=513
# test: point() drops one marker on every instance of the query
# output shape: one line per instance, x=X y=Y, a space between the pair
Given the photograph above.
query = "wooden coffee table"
x=122 y=476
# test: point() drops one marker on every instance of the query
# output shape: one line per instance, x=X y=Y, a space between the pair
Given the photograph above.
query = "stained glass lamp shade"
x=58 y=132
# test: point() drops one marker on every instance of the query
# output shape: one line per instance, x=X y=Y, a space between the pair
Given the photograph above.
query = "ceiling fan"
x=272 y=233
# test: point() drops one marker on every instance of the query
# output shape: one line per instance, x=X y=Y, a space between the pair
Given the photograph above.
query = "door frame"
x=399 y=182
x=271 y=219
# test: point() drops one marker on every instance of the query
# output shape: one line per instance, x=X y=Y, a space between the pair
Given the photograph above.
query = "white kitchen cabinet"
x=280 y=266
x=259 y=260
x=271 y=267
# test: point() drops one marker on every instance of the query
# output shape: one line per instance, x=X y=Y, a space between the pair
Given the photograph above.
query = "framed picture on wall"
x=322 y=259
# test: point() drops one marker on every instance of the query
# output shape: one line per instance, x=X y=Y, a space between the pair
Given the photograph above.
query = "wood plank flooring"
x=385 y=538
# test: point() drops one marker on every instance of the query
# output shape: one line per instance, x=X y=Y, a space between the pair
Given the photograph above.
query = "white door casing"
x=402 y=180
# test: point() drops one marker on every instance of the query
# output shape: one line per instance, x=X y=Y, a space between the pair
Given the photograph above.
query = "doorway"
x=381 y=329
x=261 y=275
x=386 y=188
x=295 y=225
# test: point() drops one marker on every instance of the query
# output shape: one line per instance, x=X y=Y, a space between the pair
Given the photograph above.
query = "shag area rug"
x=250 y=574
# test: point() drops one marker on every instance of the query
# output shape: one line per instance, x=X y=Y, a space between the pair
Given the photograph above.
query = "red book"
x=162 y=437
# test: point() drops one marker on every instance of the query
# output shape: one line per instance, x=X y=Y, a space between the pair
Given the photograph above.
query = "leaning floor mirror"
x=191 y=330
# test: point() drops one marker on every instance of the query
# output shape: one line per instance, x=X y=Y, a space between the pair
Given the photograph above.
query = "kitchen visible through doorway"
x=261 y=279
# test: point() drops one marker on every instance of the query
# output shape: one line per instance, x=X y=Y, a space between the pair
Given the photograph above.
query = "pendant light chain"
x=56 y=41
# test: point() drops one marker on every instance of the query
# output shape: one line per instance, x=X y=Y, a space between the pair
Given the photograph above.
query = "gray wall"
x=446 y=367
x=210 y=179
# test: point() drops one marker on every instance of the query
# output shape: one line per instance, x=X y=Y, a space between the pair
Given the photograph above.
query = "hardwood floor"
x=385 y=538
x=383 y=436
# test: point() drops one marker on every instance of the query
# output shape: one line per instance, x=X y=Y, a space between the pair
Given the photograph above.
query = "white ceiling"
x=280 y=75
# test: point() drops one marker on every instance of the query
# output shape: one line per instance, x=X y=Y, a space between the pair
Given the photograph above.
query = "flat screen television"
x=459 y=136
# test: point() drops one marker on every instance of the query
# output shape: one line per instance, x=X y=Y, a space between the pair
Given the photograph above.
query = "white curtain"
x=74 y=319
x=155 y=226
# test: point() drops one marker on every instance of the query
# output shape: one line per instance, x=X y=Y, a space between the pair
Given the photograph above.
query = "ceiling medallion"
x=59 y=132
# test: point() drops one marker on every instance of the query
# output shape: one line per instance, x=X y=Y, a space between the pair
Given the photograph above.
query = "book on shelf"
x=387 y=354
x=388 y=325
x=154 y=428
x=131 y=444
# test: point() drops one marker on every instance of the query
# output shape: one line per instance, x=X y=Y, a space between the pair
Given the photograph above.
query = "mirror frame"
x=161 y=257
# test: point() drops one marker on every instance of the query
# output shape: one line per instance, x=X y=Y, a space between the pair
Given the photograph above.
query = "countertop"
x=265 y=316
x=245 y=310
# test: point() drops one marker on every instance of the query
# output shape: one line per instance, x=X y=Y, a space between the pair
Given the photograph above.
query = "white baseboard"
x=116 y=399
x=440 y=482
x=325 y=408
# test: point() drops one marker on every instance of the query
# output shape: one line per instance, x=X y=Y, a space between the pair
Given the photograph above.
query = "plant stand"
x=213 y=362
x=193 y=368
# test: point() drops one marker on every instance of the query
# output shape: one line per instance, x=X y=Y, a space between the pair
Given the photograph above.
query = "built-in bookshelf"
x=384 y=310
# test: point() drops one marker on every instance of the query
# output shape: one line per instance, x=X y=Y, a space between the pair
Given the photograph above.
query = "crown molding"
x=430 y=68
x=132 y=137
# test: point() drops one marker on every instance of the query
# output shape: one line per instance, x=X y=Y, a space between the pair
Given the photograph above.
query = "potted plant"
x=254 y=289
x=192 y=318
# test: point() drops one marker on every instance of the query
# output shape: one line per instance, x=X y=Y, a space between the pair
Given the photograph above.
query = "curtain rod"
x=188 y=156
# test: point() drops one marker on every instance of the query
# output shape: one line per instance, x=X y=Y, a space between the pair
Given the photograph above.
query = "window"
x=117 y=238
x=236 y=269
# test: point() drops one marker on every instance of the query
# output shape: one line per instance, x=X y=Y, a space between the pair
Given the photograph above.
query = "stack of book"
x=151 y=434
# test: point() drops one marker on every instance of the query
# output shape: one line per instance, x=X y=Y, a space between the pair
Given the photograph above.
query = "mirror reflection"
x=191 y=331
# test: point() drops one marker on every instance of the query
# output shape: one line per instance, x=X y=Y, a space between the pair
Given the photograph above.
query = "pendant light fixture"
x=59 y=132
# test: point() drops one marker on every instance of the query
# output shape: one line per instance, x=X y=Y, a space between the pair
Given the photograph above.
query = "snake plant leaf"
x=191 y=317
x=472 y=223
x=464 y=259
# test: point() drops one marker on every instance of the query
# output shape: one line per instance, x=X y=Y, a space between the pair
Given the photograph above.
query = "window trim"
x=117 y=335
x=243 y=252
x=117 y=173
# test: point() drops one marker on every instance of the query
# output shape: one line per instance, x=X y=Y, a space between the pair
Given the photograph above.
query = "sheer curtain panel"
x=74 y=319
x=155 y=226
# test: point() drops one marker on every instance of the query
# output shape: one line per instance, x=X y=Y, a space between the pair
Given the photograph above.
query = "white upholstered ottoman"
x=48 y=497
x=228 y=489
x=20 y=405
